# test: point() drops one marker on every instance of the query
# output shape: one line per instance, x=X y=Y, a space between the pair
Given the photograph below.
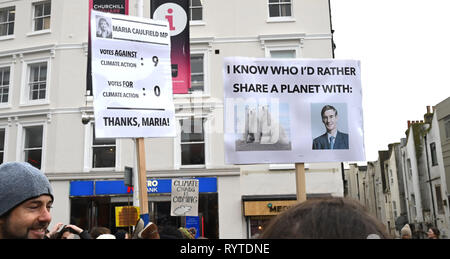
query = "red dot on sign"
x=170 y=10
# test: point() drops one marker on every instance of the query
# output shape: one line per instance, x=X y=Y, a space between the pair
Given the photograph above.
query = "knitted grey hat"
x=20 y=181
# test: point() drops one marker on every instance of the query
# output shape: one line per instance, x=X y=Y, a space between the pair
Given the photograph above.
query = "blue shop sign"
x=91 y=188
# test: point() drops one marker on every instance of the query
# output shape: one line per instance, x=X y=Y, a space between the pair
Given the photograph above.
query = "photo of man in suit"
x=332 y=139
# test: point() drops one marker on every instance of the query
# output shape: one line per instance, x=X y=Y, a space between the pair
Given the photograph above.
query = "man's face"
x=29 y=220
x=329 y=119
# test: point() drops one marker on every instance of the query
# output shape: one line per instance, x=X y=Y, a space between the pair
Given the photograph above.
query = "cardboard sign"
x=126 y=216
x=184 y=197
x=131 y=77
x=292 y=111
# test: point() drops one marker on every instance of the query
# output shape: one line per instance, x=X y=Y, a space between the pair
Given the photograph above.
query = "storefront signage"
x=176 y=13
x=267 y=208
x=92 y=188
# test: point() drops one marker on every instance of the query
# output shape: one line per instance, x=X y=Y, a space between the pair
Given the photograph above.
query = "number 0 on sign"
x=131 y=77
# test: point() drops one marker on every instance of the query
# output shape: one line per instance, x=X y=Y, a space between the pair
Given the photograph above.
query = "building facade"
x=43 y=98
x=414 y=186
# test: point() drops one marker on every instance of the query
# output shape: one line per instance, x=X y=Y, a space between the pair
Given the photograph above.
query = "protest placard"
x=184 y=197
x=131 y=75
x=292 y=110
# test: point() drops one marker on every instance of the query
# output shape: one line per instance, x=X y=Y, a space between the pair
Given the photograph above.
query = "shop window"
x=280 y=8
x=192 y=141
x=196 y=9
x=41 y=16
x=4 y=84
x=7 y=17
x=103 y=152
x=32 y=148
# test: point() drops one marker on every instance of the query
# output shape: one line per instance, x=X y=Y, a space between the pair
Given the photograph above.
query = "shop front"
x=100 y=203
x=260 y=209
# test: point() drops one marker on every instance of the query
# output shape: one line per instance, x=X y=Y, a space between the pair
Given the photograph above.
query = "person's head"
x=25 y=201
x=329 y=118
x=406 y=232
x=328 y=218
x=121 y=234
x=106 y=236
x=97 y=231
x=433 y=233
x=66 y=233
x=103 y=24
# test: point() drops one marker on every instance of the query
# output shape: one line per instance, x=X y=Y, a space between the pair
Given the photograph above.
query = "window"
x=447 y=129
x=103 y=152
x=192 y=141
x=280 y=8
x=289 y=53
x=413 y=205
x=41 y=17
x=196 y=9
x=394 y=207
x=7 y=16
x=33 y=145
x=440 y=203
x=433 y=154
x=4 y=84
x=197 y=72
x=408 y=165
x=37 y=81
x=2 y=145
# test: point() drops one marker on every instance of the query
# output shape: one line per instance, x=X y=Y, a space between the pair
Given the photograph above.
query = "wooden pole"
x=142 y=176
x=300 y=181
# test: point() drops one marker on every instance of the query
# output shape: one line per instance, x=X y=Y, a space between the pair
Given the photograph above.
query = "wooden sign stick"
x=300 y=181
x=142 y=178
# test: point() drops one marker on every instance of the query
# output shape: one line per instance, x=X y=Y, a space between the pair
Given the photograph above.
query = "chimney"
x=434 y=109
x=428 y=109
x=409 y=124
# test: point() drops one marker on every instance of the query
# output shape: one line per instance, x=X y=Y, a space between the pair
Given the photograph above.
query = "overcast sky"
x=404 y=49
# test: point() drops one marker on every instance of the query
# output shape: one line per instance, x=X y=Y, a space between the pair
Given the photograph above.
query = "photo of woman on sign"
x=103 y=27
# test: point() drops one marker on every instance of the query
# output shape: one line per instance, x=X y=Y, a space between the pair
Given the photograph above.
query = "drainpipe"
x=331 y=29
x=429 y=181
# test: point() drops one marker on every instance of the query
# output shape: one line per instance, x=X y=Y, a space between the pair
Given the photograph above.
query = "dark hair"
x=64 y=230
x=328 y=218
x=326 y=108
x=97 y=231
x=120 y=234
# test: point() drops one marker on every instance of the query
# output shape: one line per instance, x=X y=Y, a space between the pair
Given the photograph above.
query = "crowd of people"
x=26 y=199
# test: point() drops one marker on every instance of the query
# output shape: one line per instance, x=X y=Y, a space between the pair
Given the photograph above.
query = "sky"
x=404 y=49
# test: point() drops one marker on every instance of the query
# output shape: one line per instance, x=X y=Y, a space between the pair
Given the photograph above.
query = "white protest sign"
x=184 y=197
x=131 y=77
x=292 y=110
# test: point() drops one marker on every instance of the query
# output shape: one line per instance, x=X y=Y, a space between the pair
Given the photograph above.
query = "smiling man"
x=332 y=139
x=25 y=201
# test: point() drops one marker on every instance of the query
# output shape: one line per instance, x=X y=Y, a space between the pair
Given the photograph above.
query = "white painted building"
x=43 y=57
